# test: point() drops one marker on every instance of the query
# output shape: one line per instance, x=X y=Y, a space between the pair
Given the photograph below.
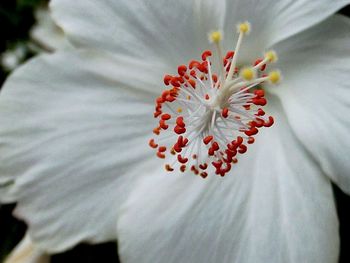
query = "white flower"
x=45 y=34
x=75 y=126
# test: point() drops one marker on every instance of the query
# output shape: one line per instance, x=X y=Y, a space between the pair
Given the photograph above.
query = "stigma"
x=206 y=119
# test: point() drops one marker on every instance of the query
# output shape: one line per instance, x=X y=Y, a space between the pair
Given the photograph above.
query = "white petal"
x=73 y=128
x=275 y=206
x=27 y=252
x=273 y=21
x=316 y=94
x=46 y=33
x=177 y=30
x=167 y=29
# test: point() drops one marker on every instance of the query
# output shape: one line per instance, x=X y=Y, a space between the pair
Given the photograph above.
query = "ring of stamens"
x=206 y=119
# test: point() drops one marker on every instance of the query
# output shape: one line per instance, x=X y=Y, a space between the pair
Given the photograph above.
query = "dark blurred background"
x=16 y=19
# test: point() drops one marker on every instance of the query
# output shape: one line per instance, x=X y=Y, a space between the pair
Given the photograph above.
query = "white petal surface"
x=142 y=28
x=73 y=129
x=273 y=21
x=178 y=29
x=275 y=206
x=316 y=94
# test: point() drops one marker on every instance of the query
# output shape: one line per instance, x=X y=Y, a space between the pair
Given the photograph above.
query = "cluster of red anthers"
x=173 y=121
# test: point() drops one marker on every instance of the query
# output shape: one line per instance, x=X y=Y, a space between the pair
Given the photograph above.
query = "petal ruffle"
x=316 y=94
x=73 y=130
x=275 y=206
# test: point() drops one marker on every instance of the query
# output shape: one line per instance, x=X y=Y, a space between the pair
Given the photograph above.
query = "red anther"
x=247 y=107
x=203 y=67
x=194 y=156
x=174 y=91
x=270 y=122
x=234 y=160
x=181 y=79
x=237 y=142
x=232 y=148
x=259 y=101
x=242 y=148
x=152 y=143
x=230 y=54
x=165 y=93
x=259 y=92
x=206 y=54
x=206 y=97
x=211 y=151
x=203 y=166
x=215 y=78
x=252 y=131
x=262 y=67
x=203 y=174
x=258 y=123
x=192 y=83
x=157 y=113
x=251 y=140
x=168 y=168
x=167 y=79
x=194 y=170
x=175 y=82
x=163 y=125
x=180 y=121
x=166 y=116
x=161 y=155
x=159 y=100
x=224 y=112
x=179 y=130
x=180 y=140
x=177 y=148
x=228 y=167
x=230 y=155
x=217 y=164
x=183 y=168
x=170 y=98
x=193 y=64
x=215 y=146
x=162 y=149
x=182 y=70
x=193 y=73
x=156 y=130
x=182 y=160
x=260 y=112
x=185 y=141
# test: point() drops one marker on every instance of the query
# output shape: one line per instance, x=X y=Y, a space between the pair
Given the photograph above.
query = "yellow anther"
x=274 y=77
x=243 y=28
x=215 y=37
x=271 y=56
x=248 y=73
x=188 y=97
x=179 y=109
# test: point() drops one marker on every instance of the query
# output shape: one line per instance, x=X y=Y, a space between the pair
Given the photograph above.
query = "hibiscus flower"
x=75 y=127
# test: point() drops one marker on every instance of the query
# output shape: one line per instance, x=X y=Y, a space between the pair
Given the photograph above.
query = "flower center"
x=207 y=119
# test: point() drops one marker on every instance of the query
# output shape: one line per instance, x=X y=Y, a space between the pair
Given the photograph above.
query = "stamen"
x=206 y=120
